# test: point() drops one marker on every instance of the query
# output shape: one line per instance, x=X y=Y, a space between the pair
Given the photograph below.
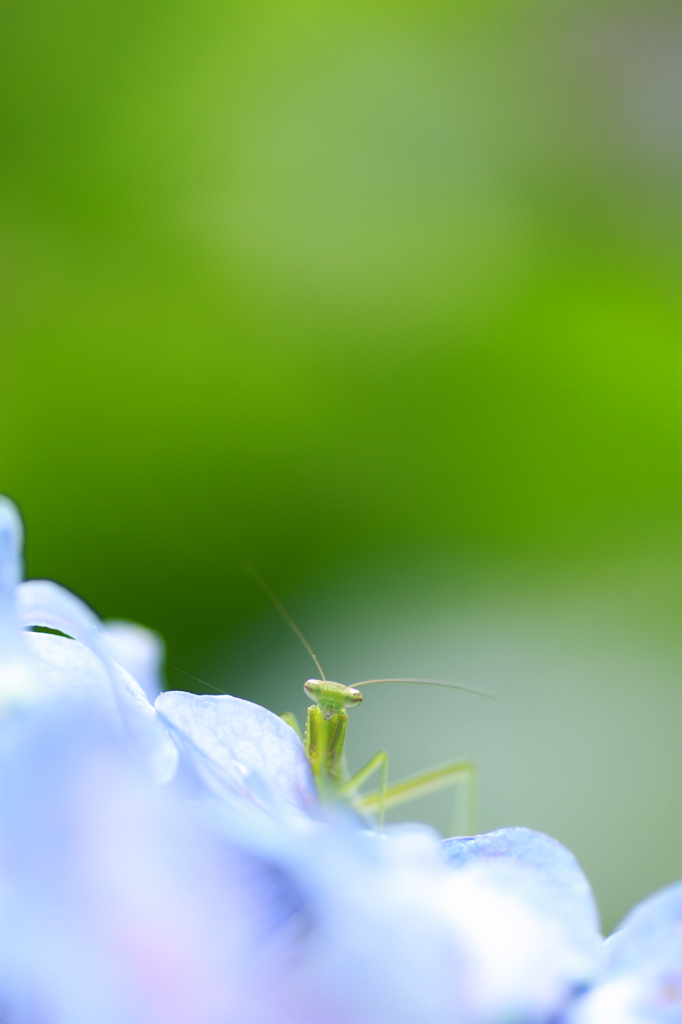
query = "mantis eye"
x=314 y=688
x=352 y=697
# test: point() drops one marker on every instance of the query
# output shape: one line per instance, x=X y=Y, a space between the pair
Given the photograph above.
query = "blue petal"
x=140 y=651
x=651 y=934
x=563 y=879
x=240 y=748
x=44 y=603
x=641 y=982
x=528 y=957
x=11 y=572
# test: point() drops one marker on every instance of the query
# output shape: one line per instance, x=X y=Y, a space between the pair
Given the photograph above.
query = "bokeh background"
x=384 y=297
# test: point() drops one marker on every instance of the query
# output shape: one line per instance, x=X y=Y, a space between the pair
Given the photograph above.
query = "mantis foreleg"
x=290 y=718
x=456 y=773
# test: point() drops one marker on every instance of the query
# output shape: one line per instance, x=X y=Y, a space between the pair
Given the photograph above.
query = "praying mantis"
x=325 y=735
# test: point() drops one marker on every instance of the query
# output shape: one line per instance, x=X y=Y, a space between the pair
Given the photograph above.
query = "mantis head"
x=331 y=697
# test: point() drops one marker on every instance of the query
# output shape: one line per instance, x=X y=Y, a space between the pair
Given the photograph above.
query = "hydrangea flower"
x=170 y=862
x=521 y=911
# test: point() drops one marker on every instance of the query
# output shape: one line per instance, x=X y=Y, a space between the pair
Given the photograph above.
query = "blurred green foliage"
x=299 y=281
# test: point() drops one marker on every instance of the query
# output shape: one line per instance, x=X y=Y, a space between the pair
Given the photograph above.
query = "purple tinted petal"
x=140 y=651
x=116 y=906
x=240 y=745
x=564 y=882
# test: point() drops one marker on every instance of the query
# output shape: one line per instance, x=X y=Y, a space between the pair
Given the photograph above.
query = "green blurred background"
x=385 y=297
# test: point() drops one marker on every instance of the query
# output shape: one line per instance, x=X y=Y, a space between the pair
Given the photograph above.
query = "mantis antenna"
x=197 y=680
x=429 y=682
x=284 y=613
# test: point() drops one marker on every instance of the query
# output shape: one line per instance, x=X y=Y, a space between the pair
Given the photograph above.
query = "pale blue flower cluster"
x=164 y=859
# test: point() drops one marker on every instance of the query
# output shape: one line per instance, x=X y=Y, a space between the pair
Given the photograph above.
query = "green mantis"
x=324 y=742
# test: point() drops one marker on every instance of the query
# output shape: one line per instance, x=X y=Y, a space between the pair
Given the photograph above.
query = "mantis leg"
x=350 y=788
x=456 y=773
x=290 y=718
